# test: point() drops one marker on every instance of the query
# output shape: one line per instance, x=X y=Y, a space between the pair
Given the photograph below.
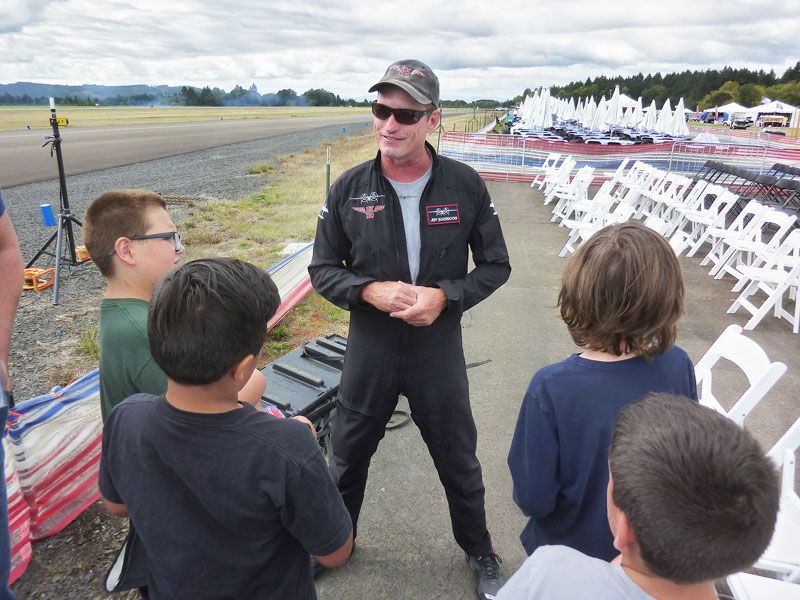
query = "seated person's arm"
x=338 y=557
x=253 y=390
x=118 y=510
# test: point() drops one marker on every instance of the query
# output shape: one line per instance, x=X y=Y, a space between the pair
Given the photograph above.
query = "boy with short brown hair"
x=621 y=298
x=134 y=243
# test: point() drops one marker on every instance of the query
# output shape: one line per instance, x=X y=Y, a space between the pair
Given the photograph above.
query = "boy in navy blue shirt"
x=228 y=501
x=621 y=298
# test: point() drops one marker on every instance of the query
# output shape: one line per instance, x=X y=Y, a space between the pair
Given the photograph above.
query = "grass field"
x=38 y=117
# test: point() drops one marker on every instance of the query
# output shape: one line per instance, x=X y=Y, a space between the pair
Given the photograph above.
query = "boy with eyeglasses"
x=134 y=243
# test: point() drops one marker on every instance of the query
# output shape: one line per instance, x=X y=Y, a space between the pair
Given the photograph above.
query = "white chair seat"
x=745 y=586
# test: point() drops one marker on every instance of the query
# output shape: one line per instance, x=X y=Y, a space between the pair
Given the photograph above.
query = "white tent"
x=773 y=107
x=626 y=101
x=730 y=108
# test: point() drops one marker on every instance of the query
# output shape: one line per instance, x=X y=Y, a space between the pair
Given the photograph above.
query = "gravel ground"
x=73 y=563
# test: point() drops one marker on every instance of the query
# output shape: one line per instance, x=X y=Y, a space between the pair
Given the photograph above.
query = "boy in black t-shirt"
x=228 y=501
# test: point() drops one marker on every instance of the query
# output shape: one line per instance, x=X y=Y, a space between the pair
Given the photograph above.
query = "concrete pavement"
x=405 y=547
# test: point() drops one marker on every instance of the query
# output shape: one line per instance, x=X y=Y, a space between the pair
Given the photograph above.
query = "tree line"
x=238 y=96
x=713 y=87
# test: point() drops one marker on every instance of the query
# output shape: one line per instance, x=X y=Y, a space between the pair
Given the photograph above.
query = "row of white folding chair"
x=701 y=219
x=549 y=165
x=776 y=275
x=557 y=179
x=592 y=222
x=742 y=228
x=671 y=187
x=763 y=239
x=614 y=202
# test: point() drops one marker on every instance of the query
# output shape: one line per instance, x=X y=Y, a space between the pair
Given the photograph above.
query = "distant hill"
x=101 y=92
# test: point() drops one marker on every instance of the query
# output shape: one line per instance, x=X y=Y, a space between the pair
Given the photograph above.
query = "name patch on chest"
x=444 y=214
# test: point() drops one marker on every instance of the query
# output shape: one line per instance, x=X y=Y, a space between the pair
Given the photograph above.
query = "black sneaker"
x=488 y=579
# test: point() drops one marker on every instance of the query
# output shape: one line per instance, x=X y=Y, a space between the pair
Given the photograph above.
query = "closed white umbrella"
x=664 y=118
x=648 y=123
x=679 y=126
x=613 y=115
x=588 y=114
x=598 y=121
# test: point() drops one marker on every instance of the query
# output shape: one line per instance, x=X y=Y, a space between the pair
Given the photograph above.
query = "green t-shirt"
x=126 y=365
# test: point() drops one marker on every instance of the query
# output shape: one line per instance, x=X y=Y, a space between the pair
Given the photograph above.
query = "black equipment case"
x=306 y=380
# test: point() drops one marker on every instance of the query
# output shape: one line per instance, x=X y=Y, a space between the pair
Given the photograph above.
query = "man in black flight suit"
x=392 y=247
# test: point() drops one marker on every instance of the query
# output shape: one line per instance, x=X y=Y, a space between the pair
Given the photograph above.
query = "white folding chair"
x=789 y=441
x=558 y=179
x=746 y=354
x=780 y=273
x=583 y=230
x=783 y=554
x=742 y=228
x=617 y=175
x=671 y=187
x=766 y=237
x=548 y=165
x=745 y=586
x=702 y=220
x=576 y=191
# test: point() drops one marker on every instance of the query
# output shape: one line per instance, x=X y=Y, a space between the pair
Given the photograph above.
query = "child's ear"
x=123 y=248
x=624 y=537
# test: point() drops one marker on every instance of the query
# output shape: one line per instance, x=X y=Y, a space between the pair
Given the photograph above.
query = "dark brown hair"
x=699 y=493
x=207 y=316
x=112 y=215
x=622 y=291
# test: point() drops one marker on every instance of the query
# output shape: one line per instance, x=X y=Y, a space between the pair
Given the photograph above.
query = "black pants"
x=434 y=380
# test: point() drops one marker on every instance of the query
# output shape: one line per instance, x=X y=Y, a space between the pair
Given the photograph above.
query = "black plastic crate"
x=306 y=380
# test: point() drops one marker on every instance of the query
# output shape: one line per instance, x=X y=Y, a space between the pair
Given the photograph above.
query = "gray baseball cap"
x=414 y=77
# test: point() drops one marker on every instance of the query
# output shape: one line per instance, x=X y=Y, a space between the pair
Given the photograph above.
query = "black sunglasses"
x=404 y=116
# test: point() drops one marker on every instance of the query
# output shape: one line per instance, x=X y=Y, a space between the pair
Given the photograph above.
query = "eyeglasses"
x=404 y=116
x=167 y=235
x=174 y=236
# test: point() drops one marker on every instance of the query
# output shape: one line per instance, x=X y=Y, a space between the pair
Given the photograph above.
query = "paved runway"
x=23 y=160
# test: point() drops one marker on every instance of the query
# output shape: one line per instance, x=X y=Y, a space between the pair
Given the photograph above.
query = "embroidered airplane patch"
x=369 y=210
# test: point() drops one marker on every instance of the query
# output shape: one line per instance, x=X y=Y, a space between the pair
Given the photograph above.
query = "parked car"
x=739 y=122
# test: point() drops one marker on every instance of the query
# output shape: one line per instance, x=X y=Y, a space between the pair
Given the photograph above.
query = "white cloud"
x=477 y=49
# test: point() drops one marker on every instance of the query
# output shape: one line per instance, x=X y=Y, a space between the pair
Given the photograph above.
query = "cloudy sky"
x=479 y=49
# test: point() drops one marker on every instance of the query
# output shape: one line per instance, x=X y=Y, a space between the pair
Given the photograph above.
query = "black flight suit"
x=360 y=239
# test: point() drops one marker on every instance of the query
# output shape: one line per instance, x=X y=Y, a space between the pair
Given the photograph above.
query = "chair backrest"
x=747 y=220
x=746 y=354
x=789 y=442
x=773 y=226
x=620 y=172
